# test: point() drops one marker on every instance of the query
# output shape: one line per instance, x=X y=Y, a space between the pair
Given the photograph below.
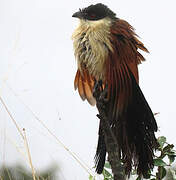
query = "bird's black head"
x=94 y=12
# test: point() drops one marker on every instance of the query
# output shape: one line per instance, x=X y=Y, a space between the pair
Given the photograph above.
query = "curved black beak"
x=78 y=14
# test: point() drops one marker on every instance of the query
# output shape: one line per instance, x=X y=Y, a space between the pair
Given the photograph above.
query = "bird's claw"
x=100 y=94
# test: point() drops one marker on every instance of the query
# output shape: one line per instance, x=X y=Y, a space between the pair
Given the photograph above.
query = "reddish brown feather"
x=125 y=86
x=84 y=82
x=88 y=87
x=134 y=69
x=125 y=57
x=76 y=79
x=81 y=87
x=140 y=45
x=115 y=96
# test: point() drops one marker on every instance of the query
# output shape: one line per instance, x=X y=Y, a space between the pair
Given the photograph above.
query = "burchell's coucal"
x=106 y=50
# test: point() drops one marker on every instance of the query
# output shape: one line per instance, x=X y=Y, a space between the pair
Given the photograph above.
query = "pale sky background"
x=38 y=64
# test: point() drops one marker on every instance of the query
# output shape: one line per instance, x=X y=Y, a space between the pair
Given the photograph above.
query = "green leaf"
x=106 y=173
x=171 y=158
x=107 y=165
x=134 y=172
x=159 y=162
x=147 y=176
x=162 y=172
x=171 y=153
x=138 y=178
x=168 y=148
x=91 y=177
x=161 y=141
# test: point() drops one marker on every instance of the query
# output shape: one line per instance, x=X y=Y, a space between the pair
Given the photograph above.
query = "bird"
x=107 y=49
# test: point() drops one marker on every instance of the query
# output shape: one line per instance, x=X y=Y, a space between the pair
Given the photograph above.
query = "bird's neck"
x=92 y=42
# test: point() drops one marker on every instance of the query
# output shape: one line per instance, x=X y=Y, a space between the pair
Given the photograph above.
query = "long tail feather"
x=100 y=156
x=140 y=127
x=134 y=130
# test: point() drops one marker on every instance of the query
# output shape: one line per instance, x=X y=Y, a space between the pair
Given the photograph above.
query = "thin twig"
x=29 y=155
x=4 y=143
x=12 y=118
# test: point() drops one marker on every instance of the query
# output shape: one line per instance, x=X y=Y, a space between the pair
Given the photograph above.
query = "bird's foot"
x=100 y=94
x=103 y=96
x=97 y=89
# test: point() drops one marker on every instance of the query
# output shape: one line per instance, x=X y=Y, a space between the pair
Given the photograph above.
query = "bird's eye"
x=92 y=16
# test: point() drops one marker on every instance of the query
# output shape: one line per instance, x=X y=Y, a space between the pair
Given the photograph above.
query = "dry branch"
x=110 y=140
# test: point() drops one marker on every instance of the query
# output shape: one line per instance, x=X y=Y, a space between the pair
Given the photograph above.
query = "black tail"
x=139 y=128
x=134 y=130
x=100 y=156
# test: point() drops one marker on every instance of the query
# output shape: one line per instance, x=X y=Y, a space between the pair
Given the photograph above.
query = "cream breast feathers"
x=92 y=42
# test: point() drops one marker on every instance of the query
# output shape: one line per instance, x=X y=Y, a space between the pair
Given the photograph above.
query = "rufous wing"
x=85 y=84
x=124 y=58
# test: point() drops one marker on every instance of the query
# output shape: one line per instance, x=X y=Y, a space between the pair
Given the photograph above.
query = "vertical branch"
x=111 y=143
x=29 y=155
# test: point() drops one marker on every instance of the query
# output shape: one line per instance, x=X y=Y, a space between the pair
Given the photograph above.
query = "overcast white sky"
x=37 y=62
